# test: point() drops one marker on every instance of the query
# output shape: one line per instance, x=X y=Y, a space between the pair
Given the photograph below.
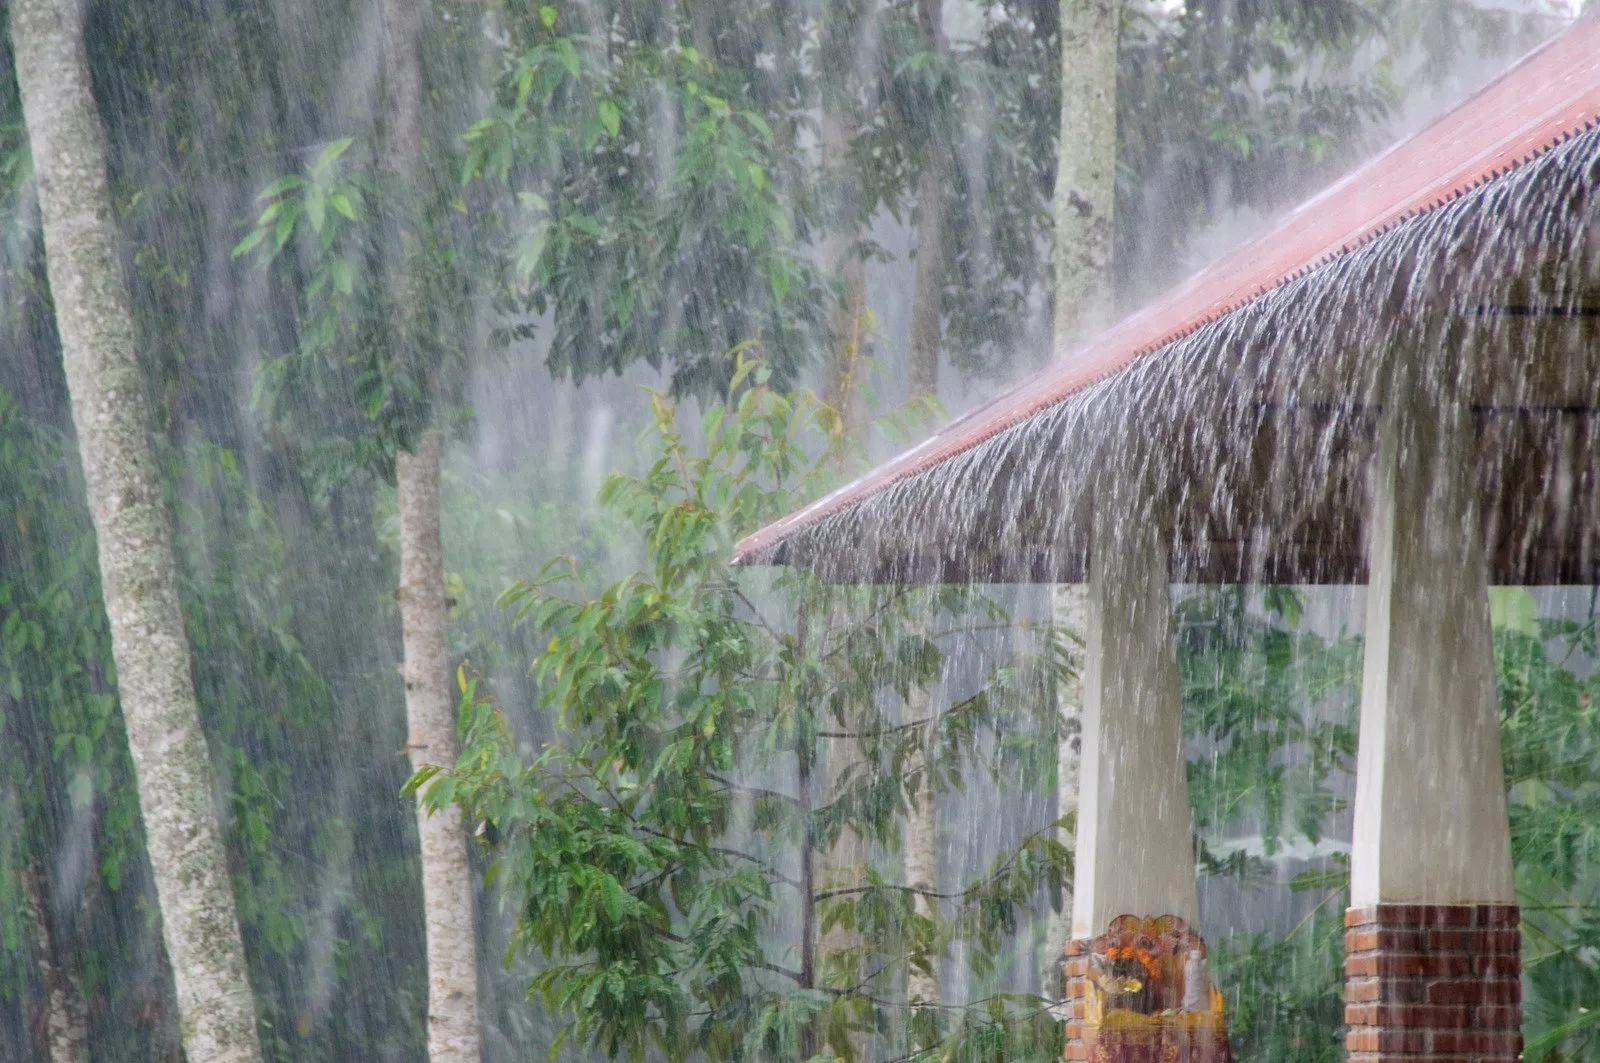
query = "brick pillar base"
x=1436 y=982
x=1075 y=983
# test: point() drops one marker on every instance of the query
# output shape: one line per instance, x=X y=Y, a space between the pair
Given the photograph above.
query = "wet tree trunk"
x=927 y=297
x=922 y=847
x=841 y=259
x=447 y=888
x=922 y=827
x=1085 y=196
x=139 y=573
x=447 y=884
x=66 y=1013
x=1085 y=201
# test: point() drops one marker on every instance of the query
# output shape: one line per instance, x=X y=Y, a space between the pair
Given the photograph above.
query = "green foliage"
x=662 y=202
x=1269 y=712
x=674 y=852
x=1551 y=744
x=1285 y=996
x=62 y=752
x=384 y=294
x=1272 y=705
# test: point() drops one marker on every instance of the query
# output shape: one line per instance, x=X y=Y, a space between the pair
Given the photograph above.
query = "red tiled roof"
x=1551 y=93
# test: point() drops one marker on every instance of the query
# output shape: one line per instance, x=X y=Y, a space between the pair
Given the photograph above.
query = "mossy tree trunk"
x=927 y=306
x=841 y=259
x=139 y=573
x=1085 y=203
x=927 y=296
x=432 y=740
x=66 y=1011
x=1086 y=174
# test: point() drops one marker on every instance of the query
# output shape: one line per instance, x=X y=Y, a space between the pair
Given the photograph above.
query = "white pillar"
x=1135 y=853
x=1430 y=812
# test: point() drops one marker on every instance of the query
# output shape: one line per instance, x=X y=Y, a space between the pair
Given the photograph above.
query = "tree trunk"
x=1085 y=202
x=447 y=883
x=1086 y=174
x=139 y=573
x=1069 y=612
x=927 y=297
x=67 y=1015
x=922 y=847
x=842 y=259
x=447 y=890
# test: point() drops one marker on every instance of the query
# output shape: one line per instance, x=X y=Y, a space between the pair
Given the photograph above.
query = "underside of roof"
x=1241 y=408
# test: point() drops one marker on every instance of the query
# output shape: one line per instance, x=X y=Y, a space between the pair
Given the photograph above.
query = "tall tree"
x=843 y=262
x=927 y=296
x=447 y=884
x=927 y=307
x=138 y=569
x=1086 y=177
x=1085 y=204
x=67 y=1013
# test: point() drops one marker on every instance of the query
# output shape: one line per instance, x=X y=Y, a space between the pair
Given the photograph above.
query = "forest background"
x=608 y=197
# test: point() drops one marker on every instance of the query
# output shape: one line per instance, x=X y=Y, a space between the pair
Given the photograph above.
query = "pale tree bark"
x=922 y=822
x=447 y=889
x=841 y=258
x=139 y=572
x=1085 y=201
x=845 y=864
x=66 y=1013
x=1070 y=613
x=432 y=740
x=927 y=297
x=1085 y=195
x=922 y=844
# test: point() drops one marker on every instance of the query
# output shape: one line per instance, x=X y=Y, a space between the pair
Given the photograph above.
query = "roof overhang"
x=1244 y=402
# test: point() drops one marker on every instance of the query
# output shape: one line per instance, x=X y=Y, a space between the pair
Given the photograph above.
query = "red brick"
x=1432 y=1016
x=1498 y=915
x=1368 y=1039
x=1077 y=1050
x=1475 y=1042
x=1490 y=1017
x=1362 y=940
x=1488 y=941
x=1360 y=990
x=1474 y=991
x=1354 y=917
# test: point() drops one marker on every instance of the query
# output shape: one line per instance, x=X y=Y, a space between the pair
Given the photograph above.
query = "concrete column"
x=1432 y=959
x=1134 y=849
x=1430 y=813
x=1134 y=846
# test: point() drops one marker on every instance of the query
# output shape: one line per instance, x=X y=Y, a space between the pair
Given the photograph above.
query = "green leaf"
x=285 y=229
x=317 y=207
x=333 y=151
x=567 y=55
x=281 y=185
x=251 y=240
x=610 y=117
x=547 y=15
